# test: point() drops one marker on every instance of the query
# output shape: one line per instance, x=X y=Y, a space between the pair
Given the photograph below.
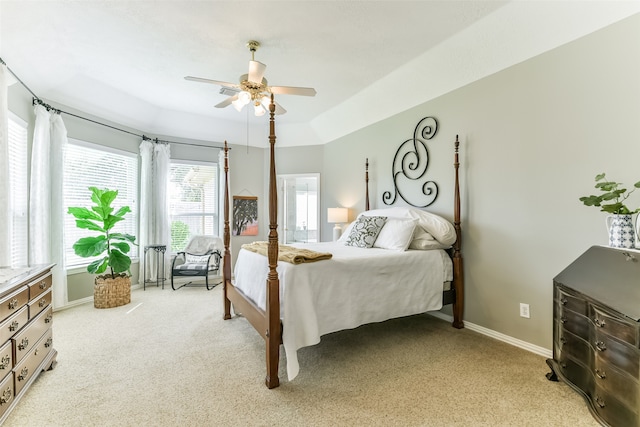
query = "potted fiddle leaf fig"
x=113 y=288
x=613 y=197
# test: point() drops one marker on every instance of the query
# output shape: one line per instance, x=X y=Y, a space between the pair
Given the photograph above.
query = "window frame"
x=135 y=255
x=216 y=197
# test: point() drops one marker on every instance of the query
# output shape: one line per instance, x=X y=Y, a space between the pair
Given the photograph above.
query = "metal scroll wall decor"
x=410 y=166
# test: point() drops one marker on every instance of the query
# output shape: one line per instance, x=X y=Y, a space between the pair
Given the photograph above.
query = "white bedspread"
x=357 y=286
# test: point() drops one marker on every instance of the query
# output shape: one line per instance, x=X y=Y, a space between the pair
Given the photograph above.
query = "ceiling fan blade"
x=215 y=82
x=226 y=102
x=290 y=90
x=267 y=100
x=279 y=108
x=256 y=71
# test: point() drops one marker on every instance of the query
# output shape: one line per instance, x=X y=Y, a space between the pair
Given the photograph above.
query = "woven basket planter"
x=109 y=292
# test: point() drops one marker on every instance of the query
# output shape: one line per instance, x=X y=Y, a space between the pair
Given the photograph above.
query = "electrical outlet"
x=524 y=310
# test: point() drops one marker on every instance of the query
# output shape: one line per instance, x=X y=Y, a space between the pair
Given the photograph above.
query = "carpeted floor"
x=168 y=359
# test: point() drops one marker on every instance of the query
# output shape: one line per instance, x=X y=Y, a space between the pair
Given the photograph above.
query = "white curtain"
x=5 y=199
x=161 y=168
x=57 y=241
x=145 y=235
x=40 y=193
x=154 y=206
x=46 y=208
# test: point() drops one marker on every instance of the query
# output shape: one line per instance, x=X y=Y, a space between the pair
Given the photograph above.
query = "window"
x=88 y=165
x=18 y=191
x=193 y=201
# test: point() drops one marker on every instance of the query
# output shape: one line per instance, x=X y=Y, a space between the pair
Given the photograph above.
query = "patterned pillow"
x=365 y=231
x=196 y=259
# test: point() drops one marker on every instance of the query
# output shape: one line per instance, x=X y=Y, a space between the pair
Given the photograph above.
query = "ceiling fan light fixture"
x=238 y=104
x=259 y=109
x=244 y=97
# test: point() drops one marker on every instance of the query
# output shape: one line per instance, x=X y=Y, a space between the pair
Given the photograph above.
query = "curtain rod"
x=37 y=100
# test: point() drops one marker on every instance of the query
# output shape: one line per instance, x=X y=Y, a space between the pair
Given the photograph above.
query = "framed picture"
x=245 y=216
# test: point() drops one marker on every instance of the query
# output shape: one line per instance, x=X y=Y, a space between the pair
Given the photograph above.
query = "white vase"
x=622 y=231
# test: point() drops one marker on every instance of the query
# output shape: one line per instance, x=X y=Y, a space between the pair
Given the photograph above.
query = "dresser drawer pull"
x=23 y=374
x=49 y=342
x=563 y=320
x=601 y=374
x=563 y=301
x=600 y=401
x=43 y=284
x=23 y=344
x=6 y=396
x=13 y=304
x=14 y=326
x=4 y=362
x=601 y=346
x=599 y=323
x=48 y=318
x=42 y=303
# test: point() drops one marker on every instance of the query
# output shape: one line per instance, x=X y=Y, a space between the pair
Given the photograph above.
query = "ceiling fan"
x=253 y=87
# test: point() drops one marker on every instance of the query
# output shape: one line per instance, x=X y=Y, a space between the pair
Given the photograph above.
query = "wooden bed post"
x=226 y=267
x=458 y=272
x=272 y=337
x=366 y=183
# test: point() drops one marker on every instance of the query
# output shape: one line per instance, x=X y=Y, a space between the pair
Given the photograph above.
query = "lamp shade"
x=337 y=215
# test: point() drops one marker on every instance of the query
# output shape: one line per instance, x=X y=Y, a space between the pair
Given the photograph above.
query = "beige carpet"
x=168 y=359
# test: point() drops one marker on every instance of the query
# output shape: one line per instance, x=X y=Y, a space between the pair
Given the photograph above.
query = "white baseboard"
x=544 y=352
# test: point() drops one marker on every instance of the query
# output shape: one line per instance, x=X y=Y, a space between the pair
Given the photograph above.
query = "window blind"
x=193 y=201
x=88 y=165
x=18 y=191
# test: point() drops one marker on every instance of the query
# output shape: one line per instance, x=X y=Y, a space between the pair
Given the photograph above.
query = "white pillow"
x=426 y=244
x=437 y=226
x=396 y=234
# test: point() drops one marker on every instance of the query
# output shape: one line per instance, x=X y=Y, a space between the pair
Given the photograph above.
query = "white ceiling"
x=124 y=60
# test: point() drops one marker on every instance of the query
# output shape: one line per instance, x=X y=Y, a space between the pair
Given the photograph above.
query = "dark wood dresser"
x=26 y=341
x=596 y=332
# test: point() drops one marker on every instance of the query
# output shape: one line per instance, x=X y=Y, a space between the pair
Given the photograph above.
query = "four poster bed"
x=356 y=285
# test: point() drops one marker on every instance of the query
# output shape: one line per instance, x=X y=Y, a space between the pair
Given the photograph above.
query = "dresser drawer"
x=615 y=326
x=28 y=367
x=572 y=302
x=575 y=372
x=612 y=410
x=39 y=304
x=573 y=322
x=6 y=359
x=24 y=340
x=40 y=285
x=616 y=382
x=571 y=345
x=13 y=302
x=6 y=394
x=13 y=324
x=617 y=353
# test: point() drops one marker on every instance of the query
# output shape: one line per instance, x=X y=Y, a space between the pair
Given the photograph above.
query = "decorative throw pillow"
x=365 y=230
x=196 y=259
x=396 y=234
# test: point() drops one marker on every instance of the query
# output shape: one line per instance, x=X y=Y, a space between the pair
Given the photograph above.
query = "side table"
x=159 y=251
